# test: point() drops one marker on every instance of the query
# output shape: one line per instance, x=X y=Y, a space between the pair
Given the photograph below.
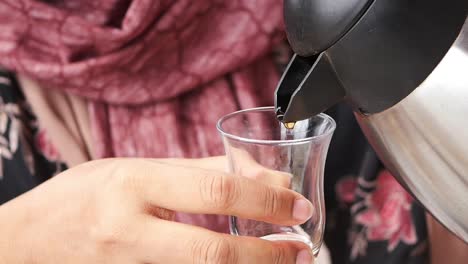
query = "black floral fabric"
x=370 y=217
x=22 y=165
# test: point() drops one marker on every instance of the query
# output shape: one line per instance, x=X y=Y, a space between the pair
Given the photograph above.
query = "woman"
x=123 y=78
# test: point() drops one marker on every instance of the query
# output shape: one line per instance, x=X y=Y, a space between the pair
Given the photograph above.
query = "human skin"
x=121 y=211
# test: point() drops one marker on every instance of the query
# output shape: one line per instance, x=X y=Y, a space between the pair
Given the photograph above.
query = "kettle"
x=403 y=67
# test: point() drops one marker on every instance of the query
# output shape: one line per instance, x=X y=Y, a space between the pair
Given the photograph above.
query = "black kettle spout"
x=308 y=87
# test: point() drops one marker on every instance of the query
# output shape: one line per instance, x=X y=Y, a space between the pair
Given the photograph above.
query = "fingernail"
x=304 y=257
x=302 y=210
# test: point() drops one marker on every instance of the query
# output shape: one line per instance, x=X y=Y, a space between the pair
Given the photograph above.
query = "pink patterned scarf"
x=157 y=74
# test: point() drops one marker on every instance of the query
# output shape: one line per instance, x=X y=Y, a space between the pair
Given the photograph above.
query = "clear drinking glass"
x=255 y=136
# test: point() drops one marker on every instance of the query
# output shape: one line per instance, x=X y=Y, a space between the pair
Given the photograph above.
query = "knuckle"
x=256 y=173
x=121 y=175
x=219 y=191
x=128 y=181
x=272 y=203
x=279 y=255
x=214 y=251
x=130 y=177
x=110 y=236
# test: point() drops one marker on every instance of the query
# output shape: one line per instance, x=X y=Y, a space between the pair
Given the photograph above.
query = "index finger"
x=250 y=168
x=195 y=190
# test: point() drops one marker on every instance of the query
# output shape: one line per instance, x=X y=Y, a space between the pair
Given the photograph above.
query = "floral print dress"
x=27 y=157
x=370 y=217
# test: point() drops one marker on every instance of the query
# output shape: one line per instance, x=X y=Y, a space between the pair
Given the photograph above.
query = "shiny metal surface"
x=423 y=140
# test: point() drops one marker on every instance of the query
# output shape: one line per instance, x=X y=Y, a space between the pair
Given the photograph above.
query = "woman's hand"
x=120 y=211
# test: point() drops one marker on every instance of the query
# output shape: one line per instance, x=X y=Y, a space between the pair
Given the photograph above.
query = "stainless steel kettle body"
x=423 y=139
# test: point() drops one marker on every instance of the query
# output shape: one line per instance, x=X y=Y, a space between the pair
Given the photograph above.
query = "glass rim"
x=271 y=141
